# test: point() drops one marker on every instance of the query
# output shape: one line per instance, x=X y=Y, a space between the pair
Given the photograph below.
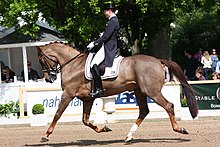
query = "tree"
x=81 y=21
x=196 y=28
x=145 y=23
x=78 y=20
x=20 y=13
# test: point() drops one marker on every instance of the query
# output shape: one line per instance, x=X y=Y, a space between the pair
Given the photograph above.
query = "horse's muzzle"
x=51 y=78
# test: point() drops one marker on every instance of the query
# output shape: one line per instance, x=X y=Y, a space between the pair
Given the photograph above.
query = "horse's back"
x=142 y=63
x=144 y=70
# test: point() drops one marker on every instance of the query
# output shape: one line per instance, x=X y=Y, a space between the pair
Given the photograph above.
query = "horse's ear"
x=38 y=48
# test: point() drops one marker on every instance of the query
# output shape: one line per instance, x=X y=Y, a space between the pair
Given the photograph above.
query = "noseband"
x=49 y=69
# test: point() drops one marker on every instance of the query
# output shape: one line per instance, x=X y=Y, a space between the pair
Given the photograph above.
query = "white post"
x=24 y=52
x=9 y=58
x=100 y=116
x=109 y=107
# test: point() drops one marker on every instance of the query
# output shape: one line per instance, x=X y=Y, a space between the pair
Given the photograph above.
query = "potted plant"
x=38 y=118
x=184 y=102
x=9 y=109
x=38 y=109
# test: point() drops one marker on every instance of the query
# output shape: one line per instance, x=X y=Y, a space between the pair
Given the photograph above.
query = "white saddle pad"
x=110 y=72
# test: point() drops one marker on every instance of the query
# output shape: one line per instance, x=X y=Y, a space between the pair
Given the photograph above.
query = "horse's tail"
x=188 y=91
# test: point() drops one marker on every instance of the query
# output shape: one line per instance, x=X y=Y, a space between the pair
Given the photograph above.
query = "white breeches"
x=98 y=57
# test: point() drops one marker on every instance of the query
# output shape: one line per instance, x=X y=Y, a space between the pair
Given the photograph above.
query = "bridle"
x=48 y=67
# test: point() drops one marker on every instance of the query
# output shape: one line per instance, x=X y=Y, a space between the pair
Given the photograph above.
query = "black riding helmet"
x=108 y=5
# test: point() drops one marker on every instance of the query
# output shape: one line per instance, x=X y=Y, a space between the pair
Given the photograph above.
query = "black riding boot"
x=97 y=82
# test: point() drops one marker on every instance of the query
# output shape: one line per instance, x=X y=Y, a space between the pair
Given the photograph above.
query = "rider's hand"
x=90 y=46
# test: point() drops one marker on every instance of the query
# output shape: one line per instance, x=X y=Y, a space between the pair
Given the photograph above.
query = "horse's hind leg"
x=65 y=100
x=169 y=107
x=143 y=111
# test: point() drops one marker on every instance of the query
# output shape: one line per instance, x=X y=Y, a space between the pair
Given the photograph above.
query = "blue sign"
x=129 y=98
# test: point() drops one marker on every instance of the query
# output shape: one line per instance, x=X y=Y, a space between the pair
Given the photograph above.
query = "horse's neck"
x=65 y=54
x=74 y=64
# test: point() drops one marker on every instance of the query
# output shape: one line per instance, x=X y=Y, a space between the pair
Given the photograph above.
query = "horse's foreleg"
x=169 y=107
x=143 y=111
x=87 y=106
x=65 y=100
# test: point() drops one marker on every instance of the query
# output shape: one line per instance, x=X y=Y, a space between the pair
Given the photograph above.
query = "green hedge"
x=38 y=109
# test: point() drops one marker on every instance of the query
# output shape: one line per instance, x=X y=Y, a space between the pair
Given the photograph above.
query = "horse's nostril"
x=47 y=80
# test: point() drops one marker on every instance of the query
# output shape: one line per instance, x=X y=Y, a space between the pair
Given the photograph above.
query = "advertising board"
x=208 y=96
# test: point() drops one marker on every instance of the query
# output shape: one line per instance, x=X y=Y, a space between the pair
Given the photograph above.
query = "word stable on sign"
x=208 y=96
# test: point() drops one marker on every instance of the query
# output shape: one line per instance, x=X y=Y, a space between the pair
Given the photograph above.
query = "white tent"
x=16 y=50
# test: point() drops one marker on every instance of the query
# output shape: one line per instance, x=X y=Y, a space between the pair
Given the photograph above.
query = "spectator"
x=215 y=76
x=167 y=73
x=199 y=74
x=207 y=64
x=215 y=59
x=32 y=74
x=8 y=75
x=190 y=66
x=198 y=55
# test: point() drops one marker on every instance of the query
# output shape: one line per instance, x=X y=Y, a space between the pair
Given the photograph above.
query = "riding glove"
x=90 y=46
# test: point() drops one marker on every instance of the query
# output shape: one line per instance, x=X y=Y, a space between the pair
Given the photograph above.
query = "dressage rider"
x=109 y=40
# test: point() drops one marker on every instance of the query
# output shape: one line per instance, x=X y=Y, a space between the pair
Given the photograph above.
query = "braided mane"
x=58 y=42
x=63 y=43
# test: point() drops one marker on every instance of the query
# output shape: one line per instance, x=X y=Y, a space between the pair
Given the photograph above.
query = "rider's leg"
x=98 y=88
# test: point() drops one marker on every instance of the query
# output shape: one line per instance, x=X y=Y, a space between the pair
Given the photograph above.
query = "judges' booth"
x=15 y=52
x=15 y=56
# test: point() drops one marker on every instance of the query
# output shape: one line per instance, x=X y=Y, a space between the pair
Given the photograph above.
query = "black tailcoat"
x=109 y=38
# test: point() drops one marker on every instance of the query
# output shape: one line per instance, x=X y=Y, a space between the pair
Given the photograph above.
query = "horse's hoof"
x=106 y=129
x=128 y=140
x=44 y=139
x=183 y=131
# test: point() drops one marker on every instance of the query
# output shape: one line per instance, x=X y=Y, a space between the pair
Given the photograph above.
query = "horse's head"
x=53 y=54
x=49 y=65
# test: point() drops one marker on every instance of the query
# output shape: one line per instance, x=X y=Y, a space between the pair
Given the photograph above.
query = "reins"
x=58 y=70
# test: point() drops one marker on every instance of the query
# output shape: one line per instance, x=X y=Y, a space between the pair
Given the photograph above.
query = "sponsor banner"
x=9 y=92
x=51 y=100
x=124 y=101
x=127 y=100
x=208 y=96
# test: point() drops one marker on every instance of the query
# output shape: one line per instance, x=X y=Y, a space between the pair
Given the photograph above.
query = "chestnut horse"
x=142 y=74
